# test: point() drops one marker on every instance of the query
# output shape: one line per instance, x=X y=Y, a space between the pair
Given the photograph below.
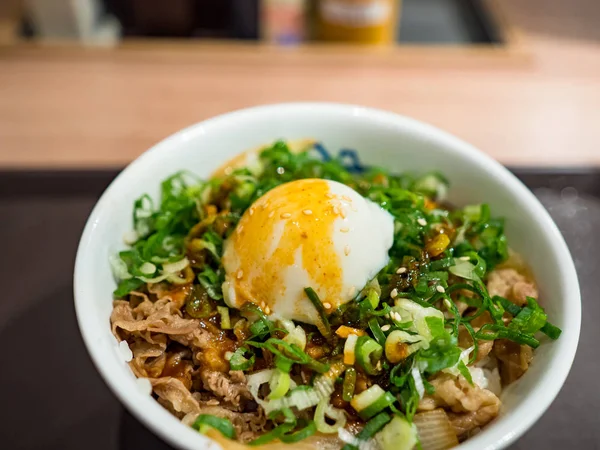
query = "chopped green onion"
x=368 y=354
x=275 y=433
x=464 y=371
x=205 y=421
x=548 y=329
x=279 y=384
x=371 y=428
x=225 y=321
x=239 y=362
x=350 y=350
x=126 y=286
x=551 y=331
x=373 y=298
x=379 y=405
x=301 y=397
x=301 y=434
x=325 y=328
x=210 y=280
x=471 y=332
x=199 y=305
x=261 y=328
x=509 y=306
x=374 y=425
x=376 y=330
x=349 y=384
x=491 y=332
x=399 y=434
x=531 y=318
x=284 y=364
x=291 y=352
x=367 y=398
x=325 y=409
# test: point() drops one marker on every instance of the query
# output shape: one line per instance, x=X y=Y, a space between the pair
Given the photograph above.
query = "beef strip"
x=232 y=388
x=468 y=406
x=513 y=358
x=162 y=316
x=512 y=285
x=248 y=426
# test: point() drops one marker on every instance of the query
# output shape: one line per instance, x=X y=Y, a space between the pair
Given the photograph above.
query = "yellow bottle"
x=357 y=21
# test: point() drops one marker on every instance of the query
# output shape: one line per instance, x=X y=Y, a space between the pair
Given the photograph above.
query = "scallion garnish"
x=325 y=328
x=368 y=354
x=349 y=384
x=376 y=330
x=291 y=353
x=204 y=422
x=309 y=428
x=239 y=361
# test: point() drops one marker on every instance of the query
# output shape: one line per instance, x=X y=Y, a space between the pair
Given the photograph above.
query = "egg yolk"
x=292 y=220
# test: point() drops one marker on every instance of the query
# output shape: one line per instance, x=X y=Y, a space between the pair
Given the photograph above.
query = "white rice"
x=125 y=351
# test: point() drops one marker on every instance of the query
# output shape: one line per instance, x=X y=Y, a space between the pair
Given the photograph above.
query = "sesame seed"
x=228 y=170
x=388 y=315
x=228 y=355
x=327 y=305
x=347 y=250
x=271 y=214
x=336 y=210
x=401 y=270
x=422 y=222
x=394 y=293
x=351 y=291
x=240 y=274
x=345 y=197
x=240 y=228
x=267 y=310
x=285 y=215
x=307 y=212
x=440 y=289
x=280 y=170
x=251 y=211
x=398 y=317
x=386 y=327
x=343 y=213
x=465 y=258
x=378 y=366
x=329 y=195
x=344 y=229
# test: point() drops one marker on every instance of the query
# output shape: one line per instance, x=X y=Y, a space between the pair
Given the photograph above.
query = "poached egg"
x=306 y=233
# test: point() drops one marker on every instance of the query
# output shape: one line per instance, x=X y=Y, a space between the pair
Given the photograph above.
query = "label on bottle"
x=355 y=13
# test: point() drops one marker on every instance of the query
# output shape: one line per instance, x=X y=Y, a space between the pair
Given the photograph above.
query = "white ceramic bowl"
x=381 y=138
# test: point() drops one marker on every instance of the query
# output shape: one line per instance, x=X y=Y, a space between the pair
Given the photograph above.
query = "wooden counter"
x=534 y=102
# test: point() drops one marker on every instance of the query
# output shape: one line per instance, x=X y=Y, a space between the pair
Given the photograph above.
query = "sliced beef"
x=148 y=359
x=468 y=407
x=175 y=396
x=512 y=285
x=161 y=316
x=513 y=359
x=232 y=388
x=248 y=426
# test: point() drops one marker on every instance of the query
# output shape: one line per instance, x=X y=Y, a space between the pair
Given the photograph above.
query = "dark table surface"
x=53 y=398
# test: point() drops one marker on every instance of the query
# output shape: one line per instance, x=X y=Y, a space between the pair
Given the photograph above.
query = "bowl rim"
x=531 y=408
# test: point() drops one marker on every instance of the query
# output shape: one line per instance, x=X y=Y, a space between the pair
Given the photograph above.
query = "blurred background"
x=93 y=83
x=88 y=85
